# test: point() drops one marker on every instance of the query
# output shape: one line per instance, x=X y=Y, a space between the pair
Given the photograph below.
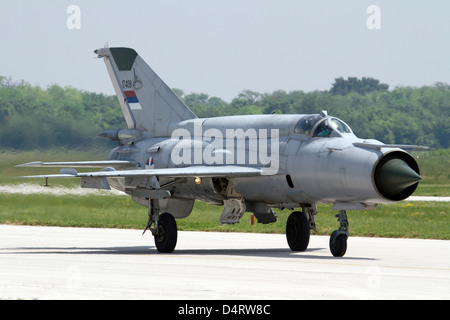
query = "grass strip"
x=426 y=220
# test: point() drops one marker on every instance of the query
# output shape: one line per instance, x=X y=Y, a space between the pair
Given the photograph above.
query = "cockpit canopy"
x=305 y=124
x=320 y=126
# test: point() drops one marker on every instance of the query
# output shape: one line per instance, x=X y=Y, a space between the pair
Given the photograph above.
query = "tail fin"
x=147 y=102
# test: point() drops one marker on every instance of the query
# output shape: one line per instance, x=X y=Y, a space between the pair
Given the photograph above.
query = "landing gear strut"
x=164 y=230
x=338 y=239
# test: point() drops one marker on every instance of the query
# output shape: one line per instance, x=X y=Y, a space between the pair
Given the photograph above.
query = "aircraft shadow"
x=266 y=253
x=280 y=253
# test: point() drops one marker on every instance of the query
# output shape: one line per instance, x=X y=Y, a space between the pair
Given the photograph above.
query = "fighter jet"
x=168 y=158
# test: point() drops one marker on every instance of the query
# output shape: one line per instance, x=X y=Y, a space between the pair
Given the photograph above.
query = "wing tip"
x=30 y=164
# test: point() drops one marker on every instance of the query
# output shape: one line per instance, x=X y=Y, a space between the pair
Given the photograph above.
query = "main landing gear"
x=298 y=228
x=164 y=228
x=299 y=225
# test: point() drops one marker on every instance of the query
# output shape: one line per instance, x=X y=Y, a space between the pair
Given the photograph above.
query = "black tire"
x=297 y=231
x=167 y=240
x=338 y=244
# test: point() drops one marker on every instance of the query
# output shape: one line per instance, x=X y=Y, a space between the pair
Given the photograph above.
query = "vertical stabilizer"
x=147 y=102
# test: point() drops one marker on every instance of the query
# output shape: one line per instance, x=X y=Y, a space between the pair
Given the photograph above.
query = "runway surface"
x=79 y=263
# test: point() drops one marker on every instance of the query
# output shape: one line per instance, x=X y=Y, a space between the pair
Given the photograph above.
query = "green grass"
x=427 y=220
x=405 y=219
x=434 y=169
x=434 y=166
x=10 y=158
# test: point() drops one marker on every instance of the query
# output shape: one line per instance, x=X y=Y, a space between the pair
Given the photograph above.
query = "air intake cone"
x=395 y=178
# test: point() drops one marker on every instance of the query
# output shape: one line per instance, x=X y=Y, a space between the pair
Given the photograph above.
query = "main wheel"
x=297 y=231
x=166 y=238
x=338 y=244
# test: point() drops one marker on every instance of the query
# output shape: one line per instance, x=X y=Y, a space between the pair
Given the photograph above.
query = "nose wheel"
x=338 y=239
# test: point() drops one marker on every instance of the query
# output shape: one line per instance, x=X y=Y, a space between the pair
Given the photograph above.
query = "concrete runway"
x=78 y=263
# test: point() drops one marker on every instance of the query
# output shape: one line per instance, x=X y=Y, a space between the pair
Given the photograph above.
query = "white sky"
x=221 y=47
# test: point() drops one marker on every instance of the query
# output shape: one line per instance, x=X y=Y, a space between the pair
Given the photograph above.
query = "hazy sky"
x=221 y=47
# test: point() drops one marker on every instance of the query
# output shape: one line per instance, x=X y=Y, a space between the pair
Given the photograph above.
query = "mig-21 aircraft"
x=168 y=158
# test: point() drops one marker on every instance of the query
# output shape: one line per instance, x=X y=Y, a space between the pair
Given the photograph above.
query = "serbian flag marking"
x=132 y=100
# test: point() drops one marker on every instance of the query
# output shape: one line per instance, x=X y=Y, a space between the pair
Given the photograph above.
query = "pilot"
x=323 y=130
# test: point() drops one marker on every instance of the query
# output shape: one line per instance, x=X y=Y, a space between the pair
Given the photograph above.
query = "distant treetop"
x=352 y=84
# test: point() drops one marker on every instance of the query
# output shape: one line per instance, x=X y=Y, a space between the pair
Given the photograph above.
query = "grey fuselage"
x=311 y=168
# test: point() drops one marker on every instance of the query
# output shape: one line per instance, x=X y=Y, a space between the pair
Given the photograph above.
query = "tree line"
x=36 y=118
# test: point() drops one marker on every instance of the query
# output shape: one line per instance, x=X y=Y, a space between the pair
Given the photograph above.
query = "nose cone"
x=397 y=178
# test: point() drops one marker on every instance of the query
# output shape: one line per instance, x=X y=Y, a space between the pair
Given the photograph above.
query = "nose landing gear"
x=338 y=239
